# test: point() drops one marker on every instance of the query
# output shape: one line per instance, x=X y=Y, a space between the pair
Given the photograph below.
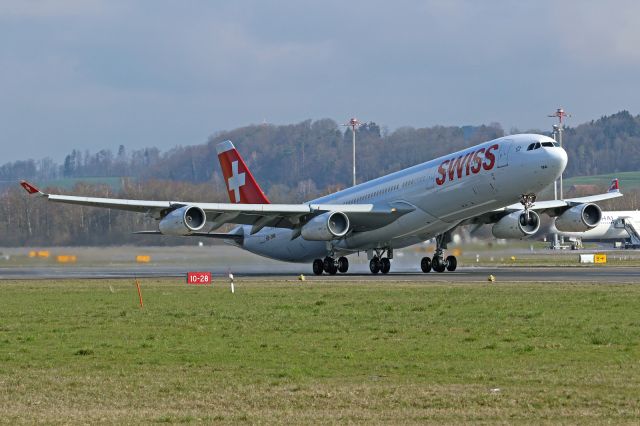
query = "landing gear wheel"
x=330 y=266
x=438 y=264
x=425 y=264
x=385 y=265
x=326 y=264
x=318 y=266
x=343 y=265
x=452 y=263
x=374 y=265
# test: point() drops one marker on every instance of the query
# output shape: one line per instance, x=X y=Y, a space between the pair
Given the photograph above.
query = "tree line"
x=314 y=155
x=32 y=221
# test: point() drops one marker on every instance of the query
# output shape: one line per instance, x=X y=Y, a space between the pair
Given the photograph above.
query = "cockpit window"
x=538 y=145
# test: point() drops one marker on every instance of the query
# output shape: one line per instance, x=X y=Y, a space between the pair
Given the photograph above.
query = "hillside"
x=300 y=160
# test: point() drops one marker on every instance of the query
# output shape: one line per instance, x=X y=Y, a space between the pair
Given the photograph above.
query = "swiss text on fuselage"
x=466 y=164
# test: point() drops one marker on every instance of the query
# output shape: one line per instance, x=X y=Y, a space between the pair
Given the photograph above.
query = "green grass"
x=318 y=352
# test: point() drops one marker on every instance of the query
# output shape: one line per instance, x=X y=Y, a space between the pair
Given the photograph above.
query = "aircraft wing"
x=362 y=217
x=552 y=208
x=557 y=207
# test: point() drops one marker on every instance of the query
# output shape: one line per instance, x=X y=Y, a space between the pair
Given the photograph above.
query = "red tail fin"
x=240 y=183
x=615 y=186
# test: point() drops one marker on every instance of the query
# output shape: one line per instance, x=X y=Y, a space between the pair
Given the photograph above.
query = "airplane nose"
x=558 y=160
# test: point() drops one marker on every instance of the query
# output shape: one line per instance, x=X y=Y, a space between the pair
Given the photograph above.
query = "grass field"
x=318 y=352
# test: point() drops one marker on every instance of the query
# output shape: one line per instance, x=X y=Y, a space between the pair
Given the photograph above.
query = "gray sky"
x=93 y=74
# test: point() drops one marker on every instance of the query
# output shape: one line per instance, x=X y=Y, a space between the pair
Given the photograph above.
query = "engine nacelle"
x=183 y=221
x=326 y=227
x=579 y=218
x=516 y=225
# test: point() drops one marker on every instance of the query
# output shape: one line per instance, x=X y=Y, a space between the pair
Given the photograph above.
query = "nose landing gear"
x=527 y=201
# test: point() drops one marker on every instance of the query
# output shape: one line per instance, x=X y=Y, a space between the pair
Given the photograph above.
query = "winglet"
x=30 y=188
x=615 y=186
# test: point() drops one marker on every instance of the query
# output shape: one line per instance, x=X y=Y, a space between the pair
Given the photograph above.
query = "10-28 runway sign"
x=199 y=278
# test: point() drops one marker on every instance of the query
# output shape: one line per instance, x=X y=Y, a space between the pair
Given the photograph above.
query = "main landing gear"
x=378 y=263
x=330 y=265
x=439 y=263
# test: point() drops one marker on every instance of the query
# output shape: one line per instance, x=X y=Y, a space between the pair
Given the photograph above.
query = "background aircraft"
x=428 y=200
x=618 y=227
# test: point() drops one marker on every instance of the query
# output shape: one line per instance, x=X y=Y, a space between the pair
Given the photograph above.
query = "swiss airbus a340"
x=491 y=183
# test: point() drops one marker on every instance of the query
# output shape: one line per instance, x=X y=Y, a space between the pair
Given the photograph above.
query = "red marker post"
x=199 y=278
x=139 y=294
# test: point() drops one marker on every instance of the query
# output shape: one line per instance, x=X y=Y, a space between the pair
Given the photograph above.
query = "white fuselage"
x=611 y=227
x=443 y=192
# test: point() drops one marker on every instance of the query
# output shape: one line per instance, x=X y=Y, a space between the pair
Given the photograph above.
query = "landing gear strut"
x=439 y=263
x=527 y=201
x=330 y=265
x=378 y=263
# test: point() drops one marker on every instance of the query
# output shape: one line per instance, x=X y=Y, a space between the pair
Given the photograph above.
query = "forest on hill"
x=316 y=155
x=292 y=163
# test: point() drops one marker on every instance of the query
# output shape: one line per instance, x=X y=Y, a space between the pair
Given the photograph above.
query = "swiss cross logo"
x=236 y=181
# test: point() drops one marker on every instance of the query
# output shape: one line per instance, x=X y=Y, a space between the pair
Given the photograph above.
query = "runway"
x=119 y=262
x=592 y=274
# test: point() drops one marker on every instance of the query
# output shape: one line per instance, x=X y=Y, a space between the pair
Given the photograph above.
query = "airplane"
x=494 y=182
x=616 y=226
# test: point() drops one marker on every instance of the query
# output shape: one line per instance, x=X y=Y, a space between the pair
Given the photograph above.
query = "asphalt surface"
x=119 y=262
x=595 y=274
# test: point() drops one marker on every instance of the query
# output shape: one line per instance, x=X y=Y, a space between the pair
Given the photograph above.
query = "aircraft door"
x=430 y=180
x=503 y=154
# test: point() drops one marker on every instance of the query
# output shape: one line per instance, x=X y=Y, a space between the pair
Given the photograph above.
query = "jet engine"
x=326 y=227
x=579 y=218
x=183 y=221
x=517 y=225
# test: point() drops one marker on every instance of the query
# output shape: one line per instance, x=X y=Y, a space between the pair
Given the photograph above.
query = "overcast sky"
x=93 y=74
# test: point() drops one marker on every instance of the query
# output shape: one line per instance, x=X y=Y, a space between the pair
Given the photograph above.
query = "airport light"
x=354 y=123
x=560 y=114
x=558 y=129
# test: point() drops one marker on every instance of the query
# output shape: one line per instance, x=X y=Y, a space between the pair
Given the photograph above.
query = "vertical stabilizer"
x=241 y=185
x=615 y=186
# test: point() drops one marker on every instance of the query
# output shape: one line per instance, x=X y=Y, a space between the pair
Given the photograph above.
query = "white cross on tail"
x=236 y=181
